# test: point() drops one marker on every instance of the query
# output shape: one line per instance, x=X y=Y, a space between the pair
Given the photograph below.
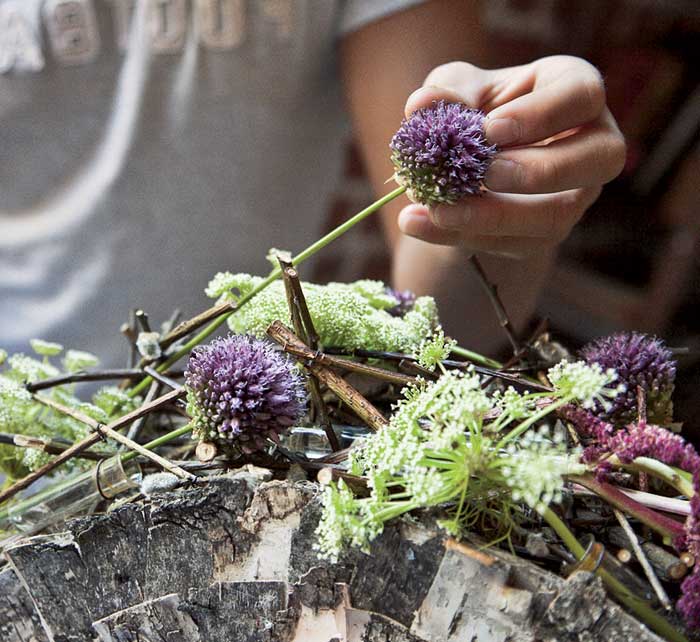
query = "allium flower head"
x=639 y=360
x=242 y=389
x=441 y=154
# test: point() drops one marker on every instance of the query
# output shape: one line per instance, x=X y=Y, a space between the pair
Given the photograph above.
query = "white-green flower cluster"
x=453 y=444
x=434 y=350
x=20 y=414
x=535 y=466
x=585 y=383
x=346 y=315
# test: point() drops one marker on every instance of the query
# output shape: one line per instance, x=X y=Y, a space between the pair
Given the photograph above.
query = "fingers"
x=567 y=92
x=593 y=156
x=500 y=223
x=524 y=104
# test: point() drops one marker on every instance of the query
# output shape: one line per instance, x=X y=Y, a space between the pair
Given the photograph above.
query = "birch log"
x=233 y=560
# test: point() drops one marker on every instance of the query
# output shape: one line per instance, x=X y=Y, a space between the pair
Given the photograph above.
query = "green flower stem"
x=658 y=469
x=522 y=427
x=273 y=276
x=159 y=441
x=638 y=606
x=476 y=358
x=663 y=525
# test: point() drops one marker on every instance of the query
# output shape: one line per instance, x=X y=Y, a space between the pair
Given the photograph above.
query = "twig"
x=291 y=276
x=117 y=436
x=448 y=363
x=363 y=408
x=93 y=375
x=643 y=561
x=189 y=326
x=668 y=567
x=50 y=446
x=304 y=327
x=135 y=428
x=142 y=320
x=302 y=351
x=131 y=334
x=162 y=378
x=492 y=293
x=90 y=440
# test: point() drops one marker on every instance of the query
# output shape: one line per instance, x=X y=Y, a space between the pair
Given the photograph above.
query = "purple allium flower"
x=242 y=389
x=441 y=154
x=405 y=299
x=639 y=360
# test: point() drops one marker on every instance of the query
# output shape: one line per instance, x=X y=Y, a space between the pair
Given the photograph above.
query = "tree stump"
x=232 y=560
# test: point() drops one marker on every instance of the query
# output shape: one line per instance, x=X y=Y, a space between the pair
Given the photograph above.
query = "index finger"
x=574 y=96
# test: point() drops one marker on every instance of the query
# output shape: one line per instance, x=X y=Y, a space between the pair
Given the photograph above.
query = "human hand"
x=558 y=144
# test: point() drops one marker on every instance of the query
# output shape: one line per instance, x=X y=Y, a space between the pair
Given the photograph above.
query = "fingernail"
x=451 y=217
x=501 y=175
x=502 y=131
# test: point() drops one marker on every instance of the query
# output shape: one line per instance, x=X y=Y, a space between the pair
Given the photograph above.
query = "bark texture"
x=234 y=560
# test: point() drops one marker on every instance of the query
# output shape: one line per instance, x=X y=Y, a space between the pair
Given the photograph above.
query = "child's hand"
x=558 y=144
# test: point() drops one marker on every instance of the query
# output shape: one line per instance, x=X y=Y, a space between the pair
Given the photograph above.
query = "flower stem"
x=476 y=358
x=638 y=606
x=663 y=525
x=273 y=276
x=662 y=471
x=523 y=426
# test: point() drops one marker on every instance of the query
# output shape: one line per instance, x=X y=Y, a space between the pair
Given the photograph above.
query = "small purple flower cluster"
x=405 y=299
x=641 y=361
x=241 y=389
x=440 y=153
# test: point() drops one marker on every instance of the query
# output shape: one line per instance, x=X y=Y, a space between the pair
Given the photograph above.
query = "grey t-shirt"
x=146 y=145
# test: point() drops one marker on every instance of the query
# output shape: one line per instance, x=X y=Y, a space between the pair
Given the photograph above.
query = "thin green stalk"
x=522 y=427
x=476 y=358
x=638 y=606
x=159 y=441
x=273 y=276
x=658 y=469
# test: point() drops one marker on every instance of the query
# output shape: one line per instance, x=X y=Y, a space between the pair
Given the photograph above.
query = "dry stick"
x=518 y=355
x=364 y=409
x=492 y=293
x=142 y=320
x=302 y=351
x=668 y=567
x=135 y=428
x=304 y=327
x=131 y=334
x=50 y=446
x=292 y=276
x=648 y=570
x=186 y=327
x=162 y=378
x=84 y=375
x=117 y=436
x=90 y=440
x=448 y=363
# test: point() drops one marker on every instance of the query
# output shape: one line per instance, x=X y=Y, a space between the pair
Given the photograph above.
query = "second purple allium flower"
x=241 y=389
x=440 y=153
x=642 y=361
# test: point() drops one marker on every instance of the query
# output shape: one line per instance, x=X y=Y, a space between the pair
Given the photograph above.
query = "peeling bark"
x=229 y=561
x=19 y=621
